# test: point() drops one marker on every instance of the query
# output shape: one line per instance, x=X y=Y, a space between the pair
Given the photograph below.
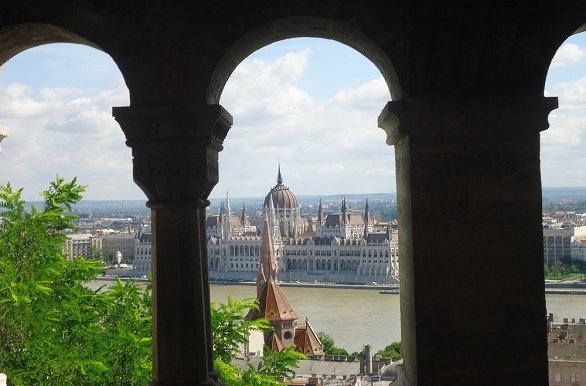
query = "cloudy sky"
x=311 y=103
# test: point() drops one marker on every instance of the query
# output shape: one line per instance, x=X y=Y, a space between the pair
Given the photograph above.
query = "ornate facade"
x=343 y=248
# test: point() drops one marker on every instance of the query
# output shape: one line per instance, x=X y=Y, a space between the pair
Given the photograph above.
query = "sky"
x=310 y=104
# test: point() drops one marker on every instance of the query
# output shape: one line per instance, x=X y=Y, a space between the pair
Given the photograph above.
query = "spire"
x=273 y=219
x=366 y=220
x=222 y=211
x=344 y=210
x=320 y=214
x=228 y=222
x=279 y=178
x=243 y=217
x=267 y=267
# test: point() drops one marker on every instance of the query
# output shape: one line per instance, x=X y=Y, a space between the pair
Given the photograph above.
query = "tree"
x=329 y=346
x=393 y=351
x=53 y=329
x=230 y=329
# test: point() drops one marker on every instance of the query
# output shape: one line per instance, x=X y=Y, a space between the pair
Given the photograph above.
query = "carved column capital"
x=465 y=117
x=175 y=150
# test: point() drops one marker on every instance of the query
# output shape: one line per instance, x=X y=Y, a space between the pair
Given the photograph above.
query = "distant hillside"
x=567 y=193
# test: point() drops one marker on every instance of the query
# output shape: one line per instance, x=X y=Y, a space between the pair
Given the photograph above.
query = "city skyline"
x=310 y=103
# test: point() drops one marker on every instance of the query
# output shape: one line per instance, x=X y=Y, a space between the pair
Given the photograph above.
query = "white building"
x=559 y=242
x=142 y=254
x=342 y=248
x=82 y=245
x=114 y=242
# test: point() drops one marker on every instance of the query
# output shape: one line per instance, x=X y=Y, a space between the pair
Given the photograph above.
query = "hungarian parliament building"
x=346 y=246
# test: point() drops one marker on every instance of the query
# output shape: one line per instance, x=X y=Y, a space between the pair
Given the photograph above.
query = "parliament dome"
x=283 y=197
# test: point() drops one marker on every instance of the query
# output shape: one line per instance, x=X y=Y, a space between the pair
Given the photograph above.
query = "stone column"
x=175 y=157
x=471 y=244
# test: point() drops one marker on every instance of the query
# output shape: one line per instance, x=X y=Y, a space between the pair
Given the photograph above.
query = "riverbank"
x=377 y=287
x=555 y=288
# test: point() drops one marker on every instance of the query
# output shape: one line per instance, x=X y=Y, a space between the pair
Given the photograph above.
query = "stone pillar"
x=471 y=244
x=175 y=157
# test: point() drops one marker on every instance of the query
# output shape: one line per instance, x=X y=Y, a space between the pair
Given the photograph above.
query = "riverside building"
x=341 y=247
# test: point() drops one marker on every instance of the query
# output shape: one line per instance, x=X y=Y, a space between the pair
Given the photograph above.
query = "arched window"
x=256 y=250
x=342 y=265
x=246 y=251
x=288 y=264
x=241 y=250
x=318 y=265
x=329 y=265
x=231 y=250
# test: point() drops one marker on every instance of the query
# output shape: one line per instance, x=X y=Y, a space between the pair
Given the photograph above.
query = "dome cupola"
x=283 y=198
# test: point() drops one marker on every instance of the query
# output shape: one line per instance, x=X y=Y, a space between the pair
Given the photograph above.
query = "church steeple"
x=267 y=267
x=344 y=210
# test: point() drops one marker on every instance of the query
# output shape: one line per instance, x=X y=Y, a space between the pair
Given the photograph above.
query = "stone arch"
x=294 y=27
x=20 y=37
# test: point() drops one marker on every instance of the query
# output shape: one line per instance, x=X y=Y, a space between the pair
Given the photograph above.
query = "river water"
x=356 y=317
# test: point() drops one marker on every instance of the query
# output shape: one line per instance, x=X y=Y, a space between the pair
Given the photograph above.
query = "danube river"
x=356 y=317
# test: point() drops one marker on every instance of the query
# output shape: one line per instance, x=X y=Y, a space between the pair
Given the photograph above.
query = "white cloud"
x=66 y=131
x=325 y=147
x=567 y=55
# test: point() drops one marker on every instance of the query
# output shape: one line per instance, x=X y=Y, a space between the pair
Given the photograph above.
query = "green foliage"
x=329 y=345
x=392 y=351
x=53 y=329
x=563 y=269
x=230 y=329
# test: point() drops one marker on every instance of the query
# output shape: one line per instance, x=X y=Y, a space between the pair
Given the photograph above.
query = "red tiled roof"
x=306 y=340
x=272 y=304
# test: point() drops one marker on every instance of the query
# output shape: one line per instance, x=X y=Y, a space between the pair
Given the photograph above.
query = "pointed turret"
x=320 y=214
x=344 y=210
x=366 y=220
x=279 y=178
x=267 y=265
x=228 y=220
x=243 y=218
